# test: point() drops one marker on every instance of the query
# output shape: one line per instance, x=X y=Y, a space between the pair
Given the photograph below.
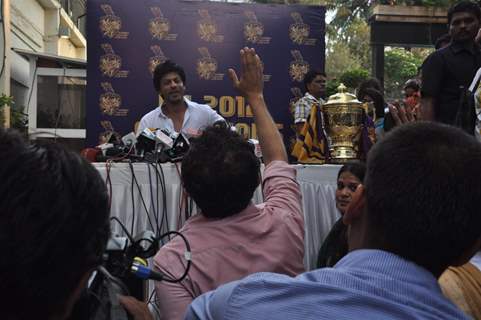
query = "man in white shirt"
x=176 y=114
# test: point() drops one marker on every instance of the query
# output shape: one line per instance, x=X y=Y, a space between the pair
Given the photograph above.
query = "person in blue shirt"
x=416 y=213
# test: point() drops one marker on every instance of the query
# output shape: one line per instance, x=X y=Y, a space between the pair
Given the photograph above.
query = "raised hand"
x=250 y=84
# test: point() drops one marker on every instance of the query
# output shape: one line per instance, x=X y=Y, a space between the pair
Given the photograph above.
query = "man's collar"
x=387 y=263
x=161 y=111
x=310 y=96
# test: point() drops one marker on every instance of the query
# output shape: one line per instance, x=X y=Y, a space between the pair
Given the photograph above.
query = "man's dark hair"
x=310 y=75
x=220 y=171
x=371 y=83
x=413 y=84
x=445 y=38
x=423 y=190
x=464 y=6
x=53 y=226
x=167 y=67
x=358 y=169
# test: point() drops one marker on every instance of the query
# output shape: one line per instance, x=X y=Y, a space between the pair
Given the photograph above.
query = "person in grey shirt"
x=176 y=114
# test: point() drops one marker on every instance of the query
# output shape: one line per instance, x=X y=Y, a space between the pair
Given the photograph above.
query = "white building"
x=44 y=69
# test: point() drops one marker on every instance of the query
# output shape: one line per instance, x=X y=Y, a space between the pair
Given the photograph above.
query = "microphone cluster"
x=152 y=145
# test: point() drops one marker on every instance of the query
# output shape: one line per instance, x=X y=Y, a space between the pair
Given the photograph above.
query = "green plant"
x=352 y=78
x=331 y=87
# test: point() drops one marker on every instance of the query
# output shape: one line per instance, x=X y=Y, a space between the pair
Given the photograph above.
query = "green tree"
x=348 y=38
x=339 y=59
x=352 y=78
x=400 y=65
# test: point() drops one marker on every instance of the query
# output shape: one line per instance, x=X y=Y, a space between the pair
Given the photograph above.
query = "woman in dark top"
x=334 y=246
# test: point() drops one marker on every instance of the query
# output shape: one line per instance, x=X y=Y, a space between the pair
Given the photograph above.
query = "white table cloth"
x=317 y=183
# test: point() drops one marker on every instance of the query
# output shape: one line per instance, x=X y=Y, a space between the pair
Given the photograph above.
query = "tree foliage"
x=348 y=38
x=400 y=65
x=352 y=78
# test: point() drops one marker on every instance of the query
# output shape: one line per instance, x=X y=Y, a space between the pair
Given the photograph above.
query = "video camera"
x=100 y=300
x=123 y=272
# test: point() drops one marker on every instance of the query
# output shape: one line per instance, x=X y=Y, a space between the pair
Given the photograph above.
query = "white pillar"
x=5 y=51
x=5 y=59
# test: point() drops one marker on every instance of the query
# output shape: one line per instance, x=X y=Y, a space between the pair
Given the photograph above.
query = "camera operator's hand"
x=136 y=308
x=251 y=82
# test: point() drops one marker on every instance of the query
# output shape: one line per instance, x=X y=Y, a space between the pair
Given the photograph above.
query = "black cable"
x=134 y=178
x=159 y=227
x=187 y=256
x=161 y=179
x=133 y=201
x=131 y=239
x=4 y=58
x=164 y=197
x=156 y=218
x=151 y=296
x=108 y=181
x=157 y=311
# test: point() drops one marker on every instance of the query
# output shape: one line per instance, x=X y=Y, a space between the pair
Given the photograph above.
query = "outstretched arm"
x=250 y=85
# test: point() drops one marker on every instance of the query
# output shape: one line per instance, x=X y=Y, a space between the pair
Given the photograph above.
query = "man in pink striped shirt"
x=232 y=237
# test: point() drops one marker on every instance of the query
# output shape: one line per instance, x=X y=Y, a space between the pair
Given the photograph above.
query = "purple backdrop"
x=126 y=39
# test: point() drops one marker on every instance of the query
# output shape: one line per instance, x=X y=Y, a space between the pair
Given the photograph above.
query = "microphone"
x=140 y=270
x=129 y=139
x=146 y=141
x=164 y=139
x=179 y=149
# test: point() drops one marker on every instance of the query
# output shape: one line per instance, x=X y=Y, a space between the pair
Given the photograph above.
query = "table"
x=135 y=201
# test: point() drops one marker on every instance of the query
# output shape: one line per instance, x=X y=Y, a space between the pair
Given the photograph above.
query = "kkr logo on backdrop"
x=299 y=31
x=109 y=134
x=110 y=102
x=254 y=30
x=207 y=66
x=159 y=26
x=298 y=68
x=297 y=94
x=207 y=29
x=110 y=24
x=110 y=63
x=158 y=58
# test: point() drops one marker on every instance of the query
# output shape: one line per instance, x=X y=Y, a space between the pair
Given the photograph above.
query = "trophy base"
x=340 y=155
